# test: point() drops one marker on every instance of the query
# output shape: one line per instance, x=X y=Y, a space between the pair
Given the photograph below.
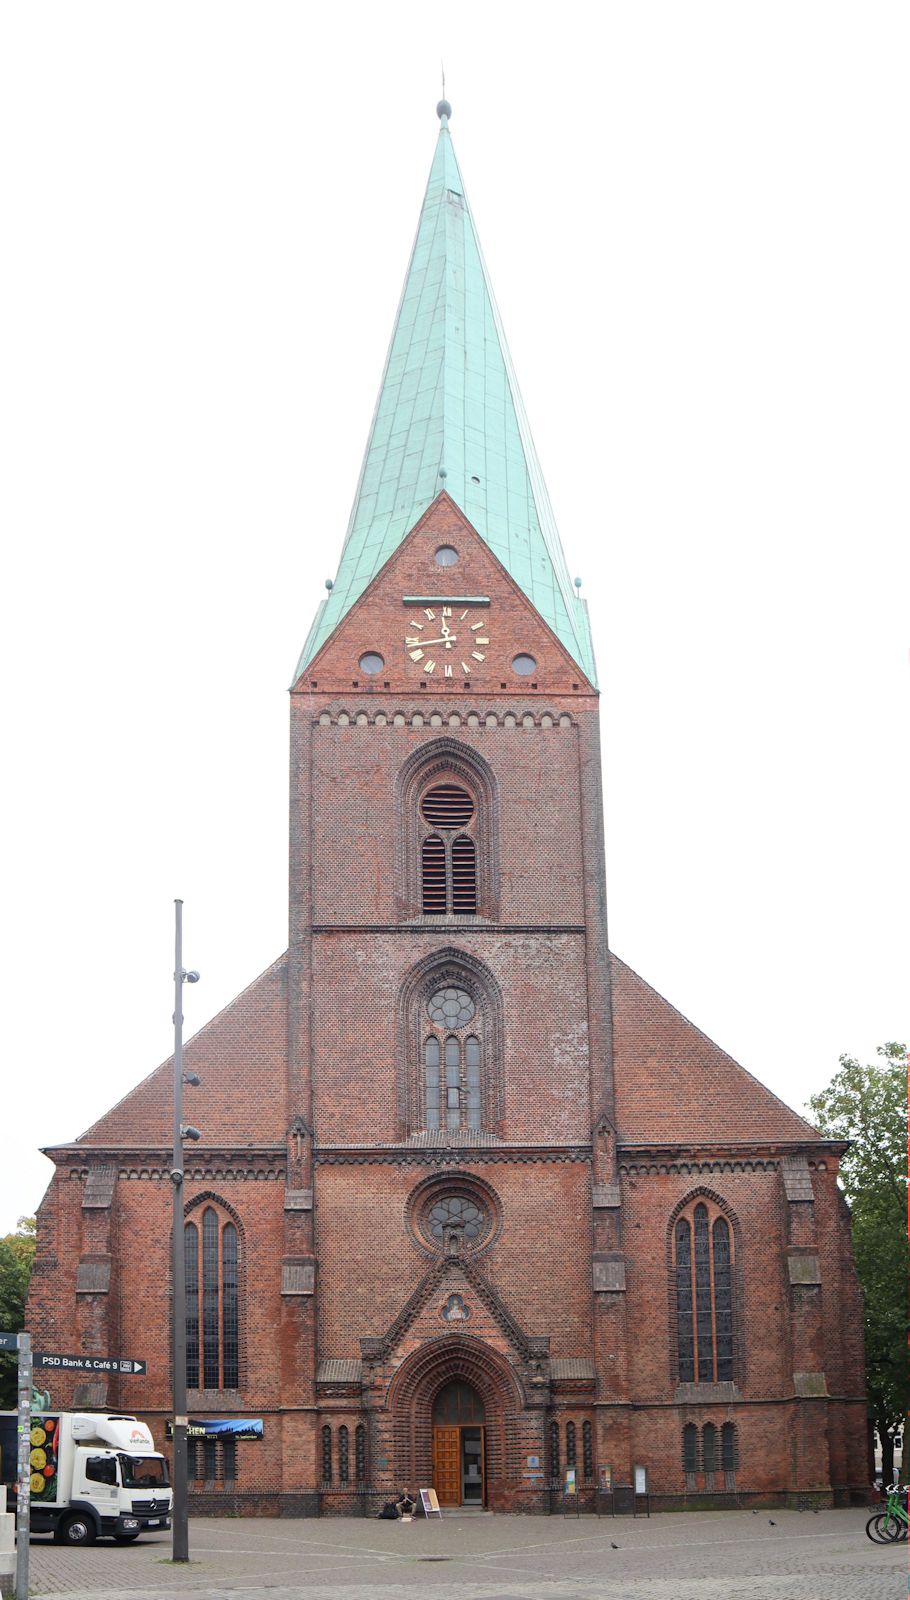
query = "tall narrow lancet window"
x=453 y=1060
x=191 y=1264
x=448 y=853
x=703 y=1271
x=212 y=1276
x=709 y=1453
x=690 y=1453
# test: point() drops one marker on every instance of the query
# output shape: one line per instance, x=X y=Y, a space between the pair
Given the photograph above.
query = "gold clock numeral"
x=448 y=672
x=475 y=626
x=462 y=617
x=479 y=640
x=411 y=640
x=416 y=655
x=478 y=655
x=428 y=613
x=429 y=666
x=447 y=611
x=466 y=669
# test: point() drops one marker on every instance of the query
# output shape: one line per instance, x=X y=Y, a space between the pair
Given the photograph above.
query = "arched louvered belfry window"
x=703 y=1274
x=448 y=858
x=212 y=1278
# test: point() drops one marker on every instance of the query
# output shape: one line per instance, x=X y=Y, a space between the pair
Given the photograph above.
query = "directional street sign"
x=79 y=1363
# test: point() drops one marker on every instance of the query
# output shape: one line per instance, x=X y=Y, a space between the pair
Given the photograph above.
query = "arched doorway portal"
x=423 y=1375
x=458 y=1445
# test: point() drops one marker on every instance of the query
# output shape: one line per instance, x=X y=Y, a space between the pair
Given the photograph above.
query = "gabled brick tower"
x=477 y=1206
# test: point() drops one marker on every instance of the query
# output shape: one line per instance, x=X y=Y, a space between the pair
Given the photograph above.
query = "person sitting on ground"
x=405 y=1505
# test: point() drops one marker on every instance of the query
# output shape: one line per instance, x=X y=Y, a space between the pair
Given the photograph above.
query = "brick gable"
x=241 y=1058
x=675 y=1086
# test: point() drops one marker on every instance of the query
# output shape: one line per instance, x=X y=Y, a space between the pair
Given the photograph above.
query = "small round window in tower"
x=524 y=665
x=446 y=555
x=371 y=663
x=450 y=1008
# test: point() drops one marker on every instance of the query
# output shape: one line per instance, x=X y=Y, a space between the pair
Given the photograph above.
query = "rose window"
x=461 y=1212
x=450 y=1008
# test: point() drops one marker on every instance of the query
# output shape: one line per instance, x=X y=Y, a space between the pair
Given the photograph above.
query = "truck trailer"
x=96 y=1475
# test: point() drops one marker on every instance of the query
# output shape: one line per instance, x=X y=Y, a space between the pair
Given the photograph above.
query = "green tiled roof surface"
x=449 y=416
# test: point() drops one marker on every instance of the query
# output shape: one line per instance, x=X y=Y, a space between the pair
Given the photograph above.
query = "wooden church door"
x=447 y=1465
x=458 y=1446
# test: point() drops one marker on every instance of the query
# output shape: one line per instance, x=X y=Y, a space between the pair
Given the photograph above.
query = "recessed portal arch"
x=456 y=1371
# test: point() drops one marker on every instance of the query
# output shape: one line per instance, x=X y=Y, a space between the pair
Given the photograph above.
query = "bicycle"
x=890 y=1522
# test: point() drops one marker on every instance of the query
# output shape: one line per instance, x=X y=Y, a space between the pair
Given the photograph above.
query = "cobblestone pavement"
x=698 y=1556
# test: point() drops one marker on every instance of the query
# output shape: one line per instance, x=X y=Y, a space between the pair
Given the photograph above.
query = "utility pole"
x=180 y=1530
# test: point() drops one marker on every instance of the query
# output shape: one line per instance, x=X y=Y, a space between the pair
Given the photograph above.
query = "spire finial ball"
x=443 y=109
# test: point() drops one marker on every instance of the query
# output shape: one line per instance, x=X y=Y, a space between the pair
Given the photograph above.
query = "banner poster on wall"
x=219 y=1428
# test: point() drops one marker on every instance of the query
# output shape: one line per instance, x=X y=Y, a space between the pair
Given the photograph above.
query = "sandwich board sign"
x=430 y=1503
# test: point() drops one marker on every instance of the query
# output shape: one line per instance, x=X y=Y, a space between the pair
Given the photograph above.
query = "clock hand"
x=447 y=640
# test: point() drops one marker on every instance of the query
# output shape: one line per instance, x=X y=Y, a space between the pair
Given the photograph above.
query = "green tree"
x=17 y=1252
x=867 y=1104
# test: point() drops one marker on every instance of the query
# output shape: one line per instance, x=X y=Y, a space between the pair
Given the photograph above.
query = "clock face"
x=448 y=640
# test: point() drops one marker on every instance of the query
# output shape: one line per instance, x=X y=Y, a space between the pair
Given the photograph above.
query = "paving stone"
x=707 y=1556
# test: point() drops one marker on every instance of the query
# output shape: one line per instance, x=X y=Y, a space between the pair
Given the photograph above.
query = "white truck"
x=96 y=1475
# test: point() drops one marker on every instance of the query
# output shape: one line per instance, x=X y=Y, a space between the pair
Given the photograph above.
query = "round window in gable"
x=371 y=663
x=524 y=665
x=446 y=555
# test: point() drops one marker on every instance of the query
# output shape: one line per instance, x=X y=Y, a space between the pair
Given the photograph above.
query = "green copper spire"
x=449 y=416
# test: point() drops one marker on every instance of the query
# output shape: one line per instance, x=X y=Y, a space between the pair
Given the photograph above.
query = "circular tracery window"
x=454 y=1214
x=450 y=1008
x=457 y=1211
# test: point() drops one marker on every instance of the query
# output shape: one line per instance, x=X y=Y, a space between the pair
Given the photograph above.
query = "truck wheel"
x=126 y=1538
x=77 y=1529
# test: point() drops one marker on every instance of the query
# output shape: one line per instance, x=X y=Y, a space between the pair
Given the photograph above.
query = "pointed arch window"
x=447 y=810
x=450 y=1078
x=453 y=1060
x=703 y=1275
x=212 y=1266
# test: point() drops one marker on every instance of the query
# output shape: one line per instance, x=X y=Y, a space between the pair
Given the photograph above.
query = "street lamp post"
x=180 y=1531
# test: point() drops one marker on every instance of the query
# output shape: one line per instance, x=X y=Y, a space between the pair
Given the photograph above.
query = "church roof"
x=449 y=416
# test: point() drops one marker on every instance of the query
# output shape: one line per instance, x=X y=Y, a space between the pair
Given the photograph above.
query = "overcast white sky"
x=695 y=220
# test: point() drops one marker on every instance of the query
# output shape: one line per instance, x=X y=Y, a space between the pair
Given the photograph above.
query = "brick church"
x=475 y=1207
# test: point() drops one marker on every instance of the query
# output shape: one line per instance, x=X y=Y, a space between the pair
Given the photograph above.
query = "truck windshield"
x=143 y=1472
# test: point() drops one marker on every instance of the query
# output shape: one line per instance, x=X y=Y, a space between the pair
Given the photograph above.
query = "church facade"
x=475 y=1206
